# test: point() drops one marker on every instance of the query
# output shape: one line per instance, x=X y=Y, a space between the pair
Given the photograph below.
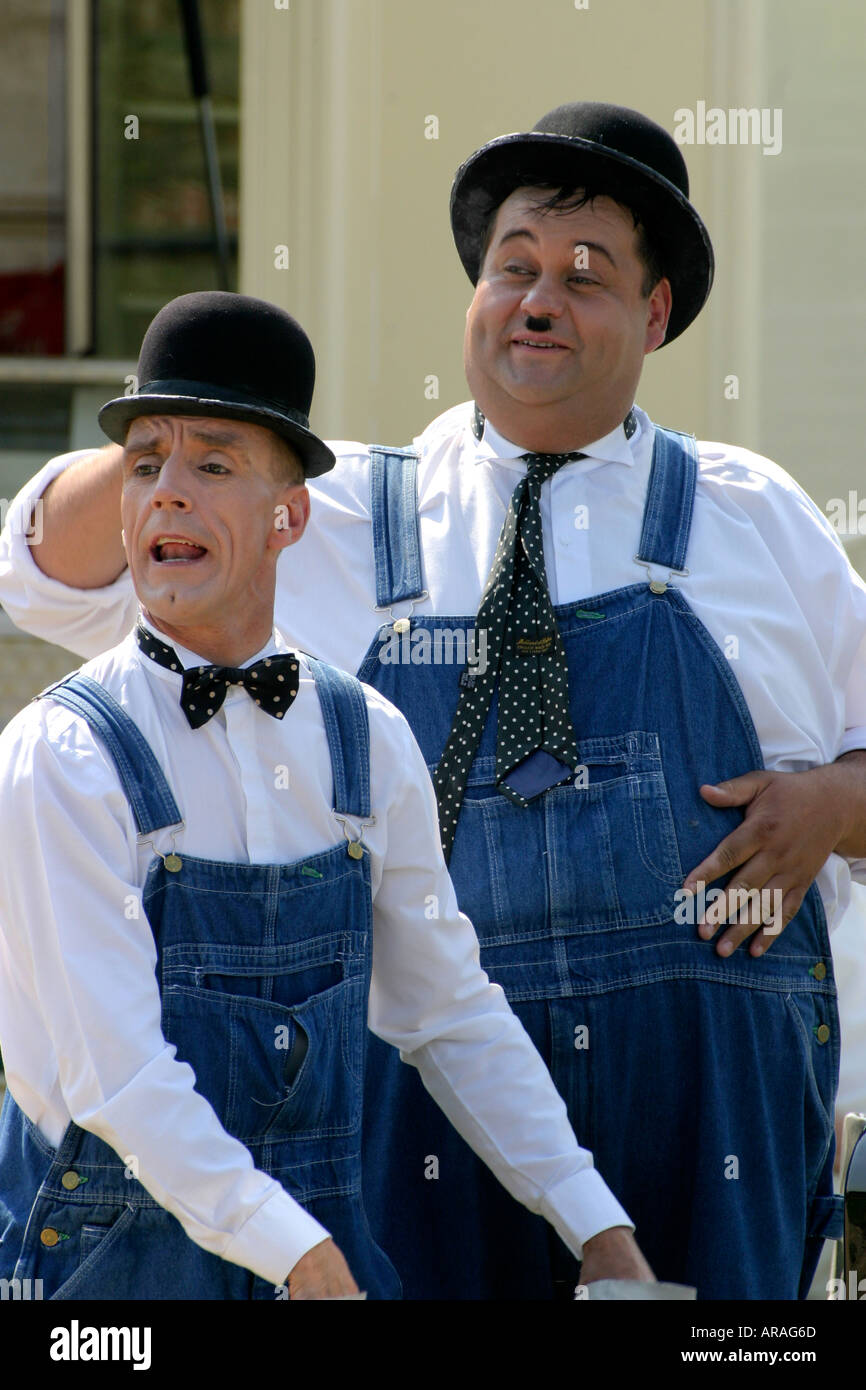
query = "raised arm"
x=80 y=524
x=63 y=574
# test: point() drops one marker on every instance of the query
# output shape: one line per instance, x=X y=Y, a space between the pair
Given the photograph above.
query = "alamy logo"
x=740 y=125
x=20 y=1289
x=444 y=646
x=76 y=1343
x=31 y=530
x=757 y=907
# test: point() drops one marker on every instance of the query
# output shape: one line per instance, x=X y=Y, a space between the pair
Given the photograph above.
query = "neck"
x=216 y=643
x=546 y=429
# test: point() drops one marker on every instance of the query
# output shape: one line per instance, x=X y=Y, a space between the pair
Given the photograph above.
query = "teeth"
x=524 y=342
x=166 y=548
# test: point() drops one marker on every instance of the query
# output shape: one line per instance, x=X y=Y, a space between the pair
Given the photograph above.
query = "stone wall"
x=27 y=665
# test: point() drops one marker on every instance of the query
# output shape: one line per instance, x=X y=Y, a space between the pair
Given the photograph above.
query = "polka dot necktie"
x=272 y=682
x=524 y=650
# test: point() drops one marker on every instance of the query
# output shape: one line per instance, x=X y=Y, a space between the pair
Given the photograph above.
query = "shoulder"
x=49 y=754
x=348 y=482
x=748 y=486
x=48 y=740
x=740 y=470
x=347 y=478
x=445 y=428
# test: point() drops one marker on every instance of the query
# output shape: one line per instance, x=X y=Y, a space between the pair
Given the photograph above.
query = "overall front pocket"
x=597 y=853
x=275 y=1067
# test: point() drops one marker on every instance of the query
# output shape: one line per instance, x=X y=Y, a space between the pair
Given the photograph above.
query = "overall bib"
x=704 y=1087
x=264 y=973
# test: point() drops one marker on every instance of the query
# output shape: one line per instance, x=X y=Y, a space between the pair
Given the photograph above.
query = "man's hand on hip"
x=321 y=1273
x=793 y=823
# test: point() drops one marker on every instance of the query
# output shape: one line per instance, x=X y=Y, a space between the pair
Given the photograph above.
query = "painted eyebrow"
x=205 y=436
x=215 y=436
x=530 y=234
x=142 y=441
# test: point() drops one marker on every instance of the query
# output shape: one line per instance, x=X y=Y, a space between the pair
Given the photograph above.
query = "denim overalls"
x=264 y=973
x=703 y=1086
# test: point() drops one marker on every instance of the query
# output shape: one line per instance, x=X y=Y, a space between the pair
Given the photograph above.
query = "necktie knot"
x=543 y=466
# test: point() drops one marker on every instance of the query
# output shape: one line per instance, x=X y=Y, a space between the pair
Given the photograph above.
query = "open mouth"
x=175 y=550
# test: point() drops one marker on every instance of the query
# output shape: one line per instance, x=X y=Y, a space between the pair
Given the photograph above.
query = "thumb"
x=736 y=791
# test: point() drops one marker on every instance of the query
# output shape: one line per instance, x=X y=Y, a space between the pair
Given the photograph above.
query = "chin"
x=539 y=393
x=170 y=607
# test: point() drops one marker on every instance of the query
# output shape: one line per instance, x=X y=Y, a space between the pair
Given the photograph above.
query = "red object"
x=31 y=312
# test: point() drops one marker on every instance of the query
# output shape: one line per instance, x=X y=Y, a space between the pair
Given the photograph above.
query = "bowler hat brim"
x=116 y=416
x=487 y=178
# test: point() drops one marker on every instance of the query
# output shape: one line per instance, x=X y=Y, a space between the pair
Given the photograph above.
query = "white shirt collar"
x=612 y=448
x=275 y=643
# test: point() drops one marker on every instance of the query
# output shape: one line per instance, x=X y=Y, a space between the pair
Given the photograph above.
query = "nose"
x=543 y=298
x=171 y=489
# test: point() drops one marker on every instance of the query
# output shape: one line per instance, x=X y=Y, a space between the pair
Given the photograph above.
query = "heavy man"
x=607 y=562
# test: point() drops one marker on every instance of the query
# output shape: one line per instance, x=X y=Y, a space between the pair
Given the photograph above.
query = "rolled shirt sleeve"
x=77 y=959
x=84 y=621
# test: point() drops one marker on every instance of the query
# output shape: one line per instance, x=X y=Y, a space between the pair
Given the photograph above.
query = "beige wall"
x=336 y=165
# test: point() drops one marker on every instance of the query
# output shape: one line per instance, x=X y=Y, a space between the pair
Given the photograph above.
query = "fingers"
x=734 y=850
x=771 y=912
x=752 y=904
x=792 y=822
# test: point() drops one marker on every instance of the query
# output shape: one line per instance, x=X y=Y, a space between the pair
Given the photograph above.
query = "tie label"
x=533 y=646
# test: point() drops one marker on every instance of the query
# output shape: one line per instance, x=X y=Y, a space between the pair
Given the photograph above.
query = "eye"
x=146 y=465
x=512 y=269
x=214 y=466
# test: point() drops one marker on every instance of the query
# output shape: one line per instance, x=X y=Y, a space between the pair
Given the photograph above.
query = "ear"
x=659 y=308
x=291 y=514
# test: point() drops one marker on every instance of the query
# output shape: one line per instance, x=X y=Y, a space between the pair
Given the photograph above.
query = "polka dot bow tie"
x=272 y=683
x=525 y=651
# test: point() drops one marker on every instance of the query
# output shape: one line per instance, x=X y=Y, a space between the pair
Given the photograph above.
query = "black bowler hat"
x=608 y=149
x=228 y=355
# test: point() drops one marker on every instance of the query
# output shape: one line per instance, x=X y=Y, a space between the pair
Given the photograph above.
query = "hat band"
x=209 y=391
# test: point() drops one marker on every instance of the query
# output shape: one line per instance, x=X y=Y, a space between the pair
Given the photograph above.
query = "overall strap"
x=670 y=499
x=143 y=780
x=344 y=711
x=394 y=511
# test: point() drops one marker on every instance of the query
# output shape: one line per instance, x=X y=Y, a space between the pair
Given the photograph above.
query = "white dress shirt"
x=79 y=1002
x=765 y=567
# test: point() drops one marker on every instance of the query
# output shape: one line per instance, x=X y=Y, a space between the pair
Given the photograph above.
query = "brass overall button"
x=70 y=1181
x=822 y=1033
x=49 y=1236
x=819 y=971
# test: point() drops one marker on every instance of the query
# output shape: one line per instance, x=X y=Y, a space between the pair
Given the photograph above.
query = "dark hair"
x=565 y=198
